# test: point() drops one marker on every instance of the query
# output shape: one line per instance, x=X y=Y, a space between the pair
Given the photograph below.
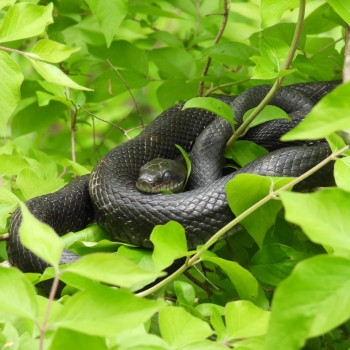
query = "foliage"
x=294 y=262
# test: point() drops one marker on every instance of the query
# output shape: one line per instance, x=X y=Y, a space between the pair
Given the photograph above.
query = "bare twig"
x=198 y=283
x=218 y=37
x=94 y=137
x=211 y=90
x=198 y=7
x=27 y=54
x=131 y=94
x=346 y=67
x=125 y=132
x=206 y=278
x=327 y=46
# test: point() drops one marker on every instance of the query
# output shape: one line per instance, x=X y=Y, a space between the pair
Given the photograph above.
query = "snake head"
x=162 y=174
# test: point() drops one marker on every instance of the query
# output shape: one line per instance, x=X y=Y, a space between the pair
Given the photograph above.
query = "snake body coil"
x=109 y=194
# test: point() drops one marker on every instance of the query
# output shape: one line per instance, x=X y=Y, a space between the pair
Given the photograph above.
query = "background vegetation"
x=125 y=61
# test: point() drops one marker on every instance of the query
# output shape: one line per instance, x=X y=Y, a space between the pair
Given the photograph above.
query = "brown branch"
x=198 y=283
x=346 y=68
x=125 y=132
x=211 y=90
x=131 y=94
x=218 y=37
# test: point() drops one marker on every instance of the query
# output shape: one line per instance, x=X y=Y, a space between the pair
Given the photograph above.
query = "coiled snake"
x=109 y=194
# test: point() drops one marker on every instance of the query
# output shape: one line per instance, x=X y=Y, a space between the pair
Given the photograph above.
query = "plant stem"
x=297 y=33
x=272 y=195
x=53 y=291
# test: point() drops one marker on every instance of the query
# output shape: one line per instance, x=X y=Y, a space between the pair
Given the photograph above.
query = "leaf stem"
x=272 y=195
x=32 y=55
x=211 y=90
x=297 y=33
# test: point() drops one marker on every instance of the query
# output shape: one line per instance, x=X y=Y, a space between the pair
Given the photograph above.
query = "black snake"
x=110 y=197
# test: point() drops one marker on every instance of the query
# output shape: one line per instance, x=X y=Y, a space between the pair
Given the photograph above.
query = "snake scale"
x=109 y=195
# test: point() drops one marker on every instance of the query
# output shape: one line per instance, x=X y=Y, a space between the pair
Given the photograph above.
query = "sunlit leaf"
x=25 y=20
x=40 y=238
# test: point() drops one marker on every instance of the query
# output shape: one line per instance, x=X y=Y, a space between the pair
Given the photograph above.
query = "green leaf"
x=271 y=11
x=10 y=83
x=31 y=185
x=25 y=20
x=244 y=282
x=244 y=152
x=314 y=299
x=342 y=173
x=104 y=311
x=273 y=53
x=246 y=190
x=267 y=114
x=110 y=15
x=40 y=238
x=17 y=294
x=174 y=63
x=169 y=242
x=232 y=53
x=8 y=202
x=53 y=51
x=52 y=74
x=274 y=262
x=71 y=340
x=12 y=164
x=188 y=163
x=185 y=293
x=212 y=105
x=245 y=320
x=342 y=8
x=180 y=328
x=329 y=115
x=79 y=169
x=327 y=220
x=111 y=269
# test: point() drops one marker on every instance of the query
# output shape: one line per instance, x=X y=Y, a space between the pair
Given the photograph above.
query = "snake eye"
x=167 y=176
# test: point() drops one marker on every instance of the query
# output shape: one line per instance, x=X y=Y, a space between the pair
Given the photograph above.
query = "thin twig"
x=131 y=94
x=211 y=90
x=205 y=277
x=327 y=46
x=198 y=8
x=196 y=257
x=218 y=37
x=297 y=33
x=4 y=237
x=198 y=283
x=346 y=67
x=106 y=121
x=28 y=54
x=53 y=291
